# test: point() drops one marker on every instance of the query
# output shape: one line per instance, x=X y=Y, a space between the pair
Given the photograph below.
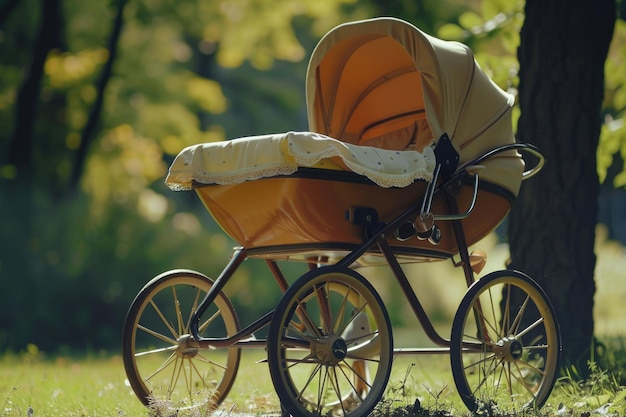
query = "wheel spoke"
x=158 y=335
x=194 y=308
x=355 y=313
x=306 y=319
x=155 y=351
x=335 y=383
x=363 y=358
x=178 y=368
x=179 y=314
x=480 y=361
x=320 y=389
x=297 y=331
x=164 y=365
x=307 y=360
x=491 y=324
x=529 y=328
x=347 y=377
x=309 y=380
x=358 y=375
x=518 y=318
x=530 y=366
x=497 y=328
x=192 y=366
x=520 y=378
x=370 y=336
x=341 y=312
x=200 y=357
x=321 y=295
x=208 y=321
x=164 y=320
x=506 y=370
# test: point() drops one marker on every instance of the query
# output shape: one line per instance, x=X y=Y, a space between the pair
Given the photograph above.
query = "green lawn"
x=97 y=387
x=65 y=387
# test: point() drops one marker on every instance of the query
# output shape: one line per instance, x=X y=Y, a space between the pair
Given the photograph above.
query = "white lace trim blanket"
x=255 y=157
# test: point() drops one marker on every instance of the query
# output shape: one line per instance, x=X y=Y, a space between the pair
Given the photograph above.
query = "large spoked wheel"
x=505 y=344
x=164 y=364
x=329 y=345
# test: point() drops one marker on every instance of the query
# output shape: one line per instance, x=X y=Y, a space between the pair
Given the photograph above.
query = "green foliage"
x=600 y=391
x=612 y=147
x=492 y=30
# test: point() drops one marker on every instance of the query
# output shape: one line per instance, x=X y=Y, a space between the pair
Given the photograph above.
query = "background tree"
x=562 y=55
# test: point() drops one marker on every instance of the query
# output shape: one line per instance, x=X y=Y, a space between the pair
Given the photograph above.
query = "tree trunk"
x=552 y=227
x=20 y=152
x=89 y=131
x=6 y=10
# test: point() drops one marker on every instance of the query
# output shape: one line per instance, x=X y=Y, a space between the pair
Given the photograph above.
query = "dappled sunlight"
x=126 y=164
x=609 y=307
x=64 y=68
x=152 y=206
x=187 y=222
x=207 y=94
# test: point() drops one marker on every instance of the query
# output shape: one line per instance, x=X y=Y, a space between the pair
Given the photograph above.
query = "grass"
x=420 y=386
x=33 y=385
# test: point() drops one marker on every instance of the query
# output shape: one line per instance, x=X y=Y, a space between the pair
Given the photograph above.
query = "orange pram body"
x=373 y=85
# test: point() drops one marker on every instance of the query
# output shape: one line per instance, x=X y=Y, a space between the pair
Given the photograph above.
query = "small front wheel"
x=329 y=345
x=165 y=366
x=505 y=344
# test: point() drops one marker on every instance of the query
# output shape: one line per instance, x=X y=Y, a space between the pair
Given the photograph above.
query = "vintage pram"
x=410 y=157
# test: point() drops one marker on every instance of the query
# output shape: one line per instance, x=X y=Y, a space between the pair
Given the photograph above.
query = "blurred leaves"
x=611 y=153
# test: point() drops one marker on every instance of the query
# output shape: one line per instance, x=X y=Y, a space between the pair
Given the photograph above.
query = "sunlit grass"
x=64 y=387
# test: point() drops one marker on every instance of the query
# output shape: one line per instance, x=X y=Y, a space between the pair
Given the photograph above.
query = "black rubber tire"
x=510 y=361
x=329 y=333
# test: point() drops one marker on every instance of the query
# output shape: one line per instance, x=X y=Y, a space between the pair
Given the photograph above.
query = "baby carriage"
x=410 y=158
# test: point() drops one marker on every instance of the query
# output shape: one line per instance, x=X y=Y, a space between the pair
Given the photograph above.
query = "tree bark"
x=20 y=152
x=552 y=226
x=89 y=131
x=6 y=10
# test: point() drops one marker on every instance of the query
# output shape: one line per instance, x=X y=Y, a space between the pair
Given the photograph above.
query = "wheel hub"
x=330 y=350
x=187 y=347
x=509 y=348
x=340 y=349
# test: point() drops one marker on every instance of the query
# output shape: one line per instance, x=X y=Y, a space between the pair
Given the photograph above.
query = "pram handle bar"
x=534 y=151
x=473 y=167
x=523 y=147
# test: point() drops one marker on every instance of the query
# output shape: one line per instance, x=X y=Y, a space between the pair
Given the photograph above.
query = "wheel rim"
x=505 y=345
x=163 y=362
x=330 y=346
